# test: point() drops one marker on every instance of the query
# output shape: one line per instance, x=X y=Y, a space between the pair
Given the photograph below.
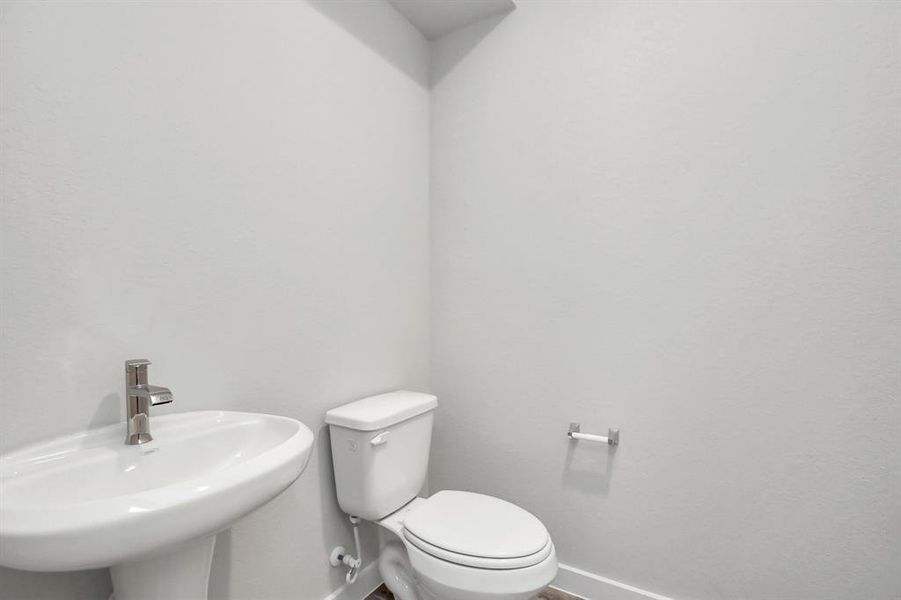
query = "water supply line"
x=340 y=557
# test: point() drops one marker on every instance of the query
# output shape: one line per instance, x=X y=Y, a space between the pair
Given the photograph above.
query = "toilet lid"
x=477 y=525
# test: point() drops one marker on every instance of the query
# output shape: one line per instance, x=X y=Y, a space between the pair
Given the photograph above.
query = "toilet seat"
x=449 y=580
x=479 y=562
x=478 y=531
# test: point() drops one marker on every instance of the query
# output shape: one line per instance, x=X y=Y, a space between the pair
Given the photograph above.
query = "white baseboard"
x=368 y=579
x=594 y=587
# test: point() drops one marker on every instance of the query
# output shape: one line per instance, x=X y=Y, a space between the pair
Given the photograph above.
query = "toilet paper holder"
x=611 y=439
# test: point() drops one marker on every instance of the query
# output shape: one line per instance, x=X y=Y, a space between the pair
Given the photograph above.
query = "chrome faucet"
x=139 y=397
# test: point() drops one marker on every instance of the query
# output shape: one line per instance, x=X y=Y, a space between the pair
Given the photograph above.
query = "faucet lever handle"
x=134 y=363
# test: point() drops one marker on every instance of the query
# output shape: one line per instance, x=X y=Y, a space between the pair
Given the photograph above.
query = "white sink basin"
x=87 y=500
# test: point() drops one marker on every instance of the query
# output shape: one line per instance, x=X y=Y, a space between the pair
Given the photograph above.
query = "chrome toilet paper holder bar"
x=611 y=439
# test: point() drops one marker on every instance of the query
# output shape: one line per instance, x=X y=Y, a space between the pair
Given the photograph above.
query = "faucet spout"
x=139 y=397
x=156 y=394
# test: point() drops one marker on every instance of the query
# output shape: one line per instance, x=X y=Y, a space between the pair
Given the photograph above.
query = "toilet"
x=453 y=545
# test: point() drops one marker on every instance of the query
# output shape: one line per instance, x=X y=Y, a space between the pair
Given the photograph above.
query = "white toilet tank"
x=380 y=451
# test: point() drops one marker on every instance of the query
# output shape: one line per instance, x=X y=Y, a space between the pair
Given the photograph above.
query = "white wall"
x=236 y=191
x=681 y=219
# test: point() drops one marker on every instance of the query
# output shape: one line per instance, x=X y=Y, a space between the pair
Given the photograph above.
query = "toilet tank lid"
x=384 y=410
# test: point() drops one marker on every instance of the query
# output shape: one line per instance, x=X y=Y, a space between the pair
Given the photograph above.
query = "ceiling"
x=435 y=18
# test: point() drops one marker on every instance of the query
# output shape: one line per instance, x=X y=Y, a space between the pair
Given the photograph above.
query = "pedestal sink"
x=149 y=512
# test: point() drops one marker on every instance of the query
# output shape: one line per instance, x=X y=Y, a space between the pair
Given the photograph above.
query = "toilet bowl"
x=453 y=545
x=465 y=546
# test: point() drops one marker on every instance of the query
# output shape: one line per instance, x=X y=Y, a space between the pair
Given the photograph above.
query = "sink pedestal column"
x=183 y=571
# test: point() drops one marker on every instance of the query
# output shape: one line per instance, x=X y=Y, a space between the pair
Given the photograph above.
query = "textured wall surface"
x=682 y=219
x=677 y=218
x=210 y=186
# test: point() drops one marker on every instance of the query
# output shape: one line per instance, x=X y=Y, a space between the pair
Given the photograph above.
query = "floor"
x=382 y=593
